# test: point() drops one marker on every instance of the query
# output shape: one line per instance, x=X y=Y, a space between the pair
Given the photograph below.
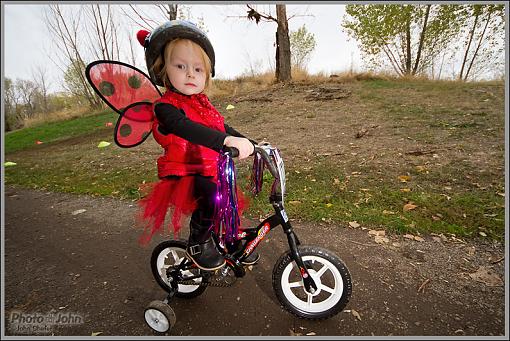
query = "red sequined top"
x=182 y=157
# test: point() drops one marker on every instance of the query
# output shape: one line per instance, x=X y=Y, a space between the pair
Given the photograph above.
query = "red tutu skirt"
x=173 y=195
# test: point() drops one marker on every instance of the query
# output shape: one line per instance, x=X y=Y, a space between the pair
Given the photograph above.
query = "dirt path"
x=89 y=264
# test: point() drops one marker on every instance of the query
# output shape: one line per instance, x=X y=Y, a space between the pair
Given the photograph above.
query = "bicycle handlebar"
x=233 y=151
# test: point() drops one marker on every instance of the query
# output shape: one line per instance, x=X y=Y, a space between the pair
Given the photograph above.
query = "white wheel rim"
x=308 y=305
x=172 y=254
x=157 y=320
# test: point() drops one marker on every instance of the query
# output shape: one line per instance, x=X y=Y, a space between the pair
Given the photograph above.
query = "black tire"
x=158 y=255
x=290 y=291
x=159 y=316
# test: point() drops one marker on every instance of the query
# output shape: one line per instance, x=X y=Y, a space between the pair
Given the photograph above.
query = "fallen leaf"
x=381 y=239
x=377 y=232
x=292 y=333
x=409 y=236
x=385 y=212
x=336 y=181
x=310 y=333
x=230 y=107
x=103 y=144
x=356 y=314
x=486 y=276
x=404 y=178
x=354 y=224
x=294 y=202
x=409 y=207
x=422 y=169
x=9 y=164
x=329 y=204
x=79 y=211
x=96 y=333
x=458 y=240
x=420 y=239
x=483 y=234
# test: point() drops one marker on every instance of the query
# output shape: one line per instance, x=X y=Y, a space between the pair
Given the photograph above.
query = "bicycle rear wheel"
x=169 y=254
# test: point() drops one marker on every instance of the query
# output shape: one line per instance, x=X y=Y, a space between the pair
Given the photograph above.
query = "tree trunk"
x=471 y=34
x=422 y=37
x=283 y=64
x=478 y=47
x=172 y=12
x=408 y=47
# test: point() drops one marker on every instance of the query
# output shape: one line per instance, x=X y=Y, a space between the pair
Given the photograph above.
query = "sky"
x=238 y=42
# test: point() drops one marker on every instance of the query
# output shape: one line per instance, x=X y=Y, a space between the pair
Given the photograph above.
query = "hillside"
x=404 y=155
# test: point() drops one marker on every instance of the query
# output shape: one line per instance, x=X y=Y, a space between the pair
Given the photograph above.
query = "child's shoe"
x=205 y=255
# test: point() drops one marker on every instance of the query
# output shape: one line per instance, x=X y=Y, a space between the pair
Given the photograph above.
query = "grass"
x=48 y=132
x=322 y=194
x=457 y=187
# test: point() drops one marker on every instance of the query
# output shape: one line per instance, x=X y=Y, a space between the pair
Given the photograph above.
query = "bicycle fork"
x=293 y=240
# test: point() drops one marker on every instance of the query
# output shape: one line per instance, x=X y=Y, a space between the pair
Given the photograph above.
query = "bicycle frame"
x=254 y=236
x=234 y=254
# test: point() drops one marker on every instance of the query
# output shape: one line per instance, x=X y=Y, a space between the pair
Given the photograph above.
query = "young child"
x=181 y=58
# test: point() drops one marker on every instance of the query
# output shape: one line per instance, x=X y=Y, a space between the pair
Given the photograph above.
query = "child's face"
x=185 y=69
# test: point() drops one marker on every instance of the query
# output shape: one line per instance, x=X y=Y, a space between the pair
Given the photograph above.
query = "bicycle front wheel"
x=333 y=280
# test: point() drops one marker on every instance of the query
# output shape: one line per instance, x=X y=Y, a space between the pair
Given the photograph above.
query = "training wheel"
x=160 y=316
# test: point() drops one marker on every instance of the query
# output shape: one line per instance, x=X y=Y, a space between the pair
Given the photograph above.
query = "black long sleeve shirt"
x=174 y=121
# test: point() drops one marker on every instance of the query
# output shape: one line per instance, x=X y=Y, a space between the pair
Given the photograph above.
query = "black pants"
x=202 y=217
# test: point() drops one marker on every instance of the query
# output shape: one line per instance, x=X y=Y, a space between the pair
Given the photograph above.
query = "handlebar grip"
x=233 y=151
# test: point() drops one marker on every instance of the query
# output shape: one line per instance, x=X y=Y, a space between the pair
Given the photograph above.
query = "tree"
x=27 y=93
x=149 y=17
x=40 y=77
x=10 y=105
x=411 y=37
x=102 y=30
x=73 y=82
x=149 y=22
x=65 y=29
x=283 y=64
x=485 y=35
x=302 y=44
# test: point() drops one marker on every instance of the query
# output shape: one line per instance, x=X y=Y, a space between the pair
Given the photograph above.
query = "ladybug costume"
x=189 y=129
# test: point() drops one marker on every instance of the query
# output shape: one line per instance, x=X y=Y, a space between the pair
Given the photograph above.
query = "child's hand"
x=244 y=145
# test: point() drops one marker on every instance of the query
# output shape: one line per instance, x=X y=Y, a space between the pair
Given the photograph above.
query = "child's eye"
x=181 y=66
x=198 y=69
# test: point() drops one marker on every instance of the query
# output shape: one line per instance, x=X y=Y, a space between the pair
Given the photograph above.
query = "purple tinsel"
x=257 y=174
x=226 y=213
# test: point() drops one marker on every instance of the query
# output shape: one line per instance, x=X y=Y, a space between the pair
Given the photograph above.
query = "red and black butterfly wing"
x=134 y=125
x=129 y=92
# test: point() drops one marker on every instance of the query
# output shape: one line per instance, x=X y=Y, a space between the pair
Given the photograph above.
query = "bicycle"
x=301 y=275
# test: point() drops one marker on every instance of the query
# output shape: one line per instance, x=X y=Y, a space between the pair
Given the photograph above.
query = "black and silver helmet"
x=155 y=41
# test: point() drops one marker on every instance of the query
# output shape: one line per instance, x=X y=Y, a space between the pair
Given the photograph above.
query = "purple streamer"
x=257 y=174
x=226 y=213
